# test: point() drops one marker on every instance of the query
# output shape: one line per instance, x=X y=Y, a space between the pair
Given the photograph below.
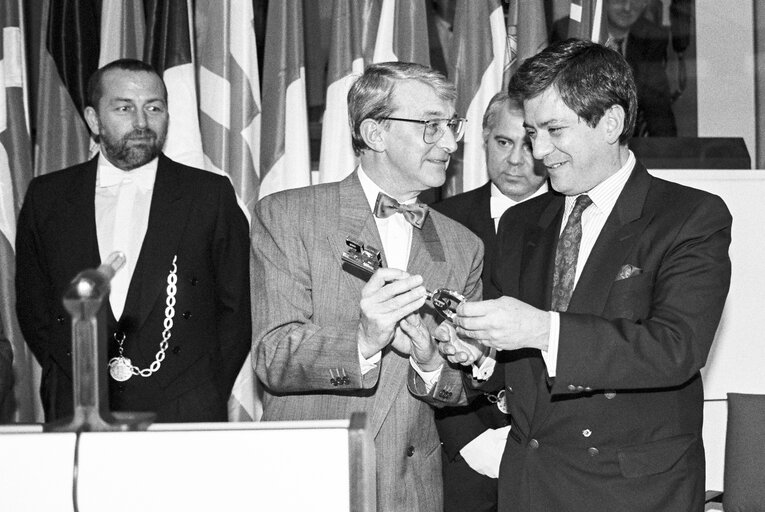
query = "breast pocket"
x=631 y=298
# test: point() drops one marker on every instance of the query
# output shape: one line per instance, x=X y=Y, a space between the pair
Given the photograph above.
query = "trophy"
x=366 y=259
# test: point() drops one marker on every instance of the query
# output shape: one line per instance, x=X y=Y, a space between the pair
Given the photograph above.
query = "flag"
x=168 y=47
x=402 y=34
x=477 y=68
x=123 y=29
x=229 y=117
x=15 y=175
x=587 y=20
x=285 y=160
x=354 y=24
x=526 y=33
x=68 y=56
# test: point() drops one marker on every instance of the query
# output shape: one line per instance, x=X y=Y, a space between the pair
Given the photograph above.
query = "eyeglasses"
x=434 y=129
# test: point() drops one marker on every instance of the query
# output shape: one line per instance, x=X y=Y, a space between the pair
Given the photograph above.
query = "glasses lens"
x=434 y=130
x=457 y=126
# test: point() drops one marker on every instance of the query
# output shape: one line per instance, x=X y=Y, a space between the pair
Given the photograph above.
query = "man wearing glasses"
x=329 y=341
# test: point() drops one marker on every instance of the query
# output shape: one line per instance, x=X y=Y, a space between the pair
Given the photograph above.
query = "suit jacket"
x=306 y=322
x=457 y=426
x=646 y=54
x=194 y=216
x=6 y=376
x=619 y=426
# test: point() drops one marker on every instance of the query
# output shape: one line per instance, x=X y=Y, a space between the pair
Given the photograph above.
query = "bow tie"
x=415 y=214
x=110 y=176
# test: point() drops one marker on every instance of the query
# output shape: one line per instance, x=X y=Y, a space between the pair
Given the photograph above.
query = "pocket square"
x=628 y=271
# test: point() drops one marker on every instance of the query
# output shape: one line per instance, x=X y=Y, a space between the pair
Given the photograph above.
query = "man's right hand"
x=456 y=349
x=390 y=295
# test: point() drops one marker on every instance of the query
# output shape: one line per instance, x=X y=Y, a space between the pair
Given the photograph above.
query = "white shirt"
x=499 y=202
x=604 y=196
x=122 y=202
x=396 y=236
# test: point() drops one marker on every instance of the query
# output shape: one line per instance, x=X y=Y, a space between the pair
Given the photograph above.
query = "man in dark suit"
x=644 y=45
x=473 y=436
x=609 y=295
x=178 y=322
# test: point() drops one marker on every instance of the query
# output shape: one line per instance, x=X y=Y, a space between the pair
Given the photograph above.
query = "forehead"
x=419 y=100
x=545 y=108
x=120 y=83
x=508 y=122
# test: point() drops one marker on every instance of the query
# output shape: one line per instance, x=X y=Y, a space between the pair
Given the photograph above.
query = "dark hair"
x=95 y=90
x=589 y=78
x=371 y=96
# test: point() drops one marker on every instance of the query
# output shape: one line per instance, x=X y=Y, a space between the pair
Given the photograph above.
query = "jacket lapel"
x=167 y=221
x=80 y=220
x=614 y=244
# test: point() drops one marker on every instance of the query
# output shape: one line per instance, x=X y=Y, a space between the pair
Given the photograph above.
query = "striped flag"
x=353 y=24
x=15 y=174
x=526 y=33
x=402 y=34
x=587 y=20
x=477 y=67
x=285 y=160
x=123 y=29
x=168 y=47
x=68 y=56
x=229 y=118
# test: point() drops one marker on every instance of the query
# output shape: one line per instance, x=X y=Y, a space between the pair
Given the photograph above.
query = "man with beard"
x=178 y=321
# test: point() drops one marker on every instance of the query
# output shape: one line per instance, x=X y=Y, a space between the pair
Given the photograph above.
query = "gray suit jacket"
x=305 y=320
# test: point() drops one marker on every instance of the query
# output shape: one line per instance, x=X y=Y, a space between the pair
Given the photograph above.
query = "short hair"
x=589 y=78
x=499 y=101
x=371 y=96
x=95 y=87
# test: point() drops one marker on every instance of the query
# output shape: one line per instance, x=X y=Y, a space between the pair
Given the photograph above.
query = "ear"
x=613 y=123
x=373 y=134
x=91 y=117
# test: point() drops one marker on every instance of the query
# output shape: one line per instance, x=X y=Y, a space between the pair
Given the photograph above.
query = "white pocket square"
x=628 y=271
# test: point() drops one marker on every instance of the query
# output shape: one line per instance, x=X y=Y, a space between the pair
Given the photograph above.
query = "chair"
x=744 y=480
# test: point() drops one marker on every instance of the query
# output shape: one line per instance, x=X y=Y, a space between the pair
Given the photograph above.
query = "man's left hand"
x=504 y=323
x=423 y=348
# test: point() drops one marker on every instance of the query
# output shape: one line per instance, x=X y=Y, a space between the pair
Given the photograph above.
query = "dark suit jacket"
x=194 y=216
x=619 y=426
x=647 y=56
x=457 y=426
x=306 y=322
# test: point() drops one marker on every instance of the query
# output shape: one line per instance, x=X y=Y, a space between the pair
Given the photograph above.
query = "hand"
x=505 y=324
x=389 y=296
x=456 y=350
x=423 y=348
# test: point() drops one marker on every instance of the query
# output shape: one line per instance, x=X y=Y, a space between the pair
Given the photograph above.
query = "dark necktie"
x=415 y=214
x=566 y=255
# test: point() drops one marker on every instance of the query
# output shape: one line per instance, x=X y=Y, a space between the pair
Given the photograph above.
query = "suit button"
x=571 y=387
x=176 y=350
x=580 y=388
x=509 y=389
x=60 y=319
x=533 y=444
x=587 y=432
x=610 y=395
x=187 y=315
x=588 y=388
x=593 y=452
x=194 y=281
x=68 y=352
x=410 y=451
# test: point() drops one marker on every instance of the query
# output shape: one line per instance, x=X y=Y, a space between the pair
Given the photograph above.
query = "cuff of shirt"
x=550 y=355
x=486 y=369
x=429 y=378
x=370 y=364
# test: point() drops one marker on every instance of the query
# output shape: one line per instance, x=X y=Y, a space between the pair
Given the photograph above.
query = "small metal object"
x=368 y=260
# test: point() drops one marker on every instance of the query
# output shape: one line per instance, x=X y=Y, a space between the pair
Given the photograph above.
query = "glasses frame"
x=437 y=121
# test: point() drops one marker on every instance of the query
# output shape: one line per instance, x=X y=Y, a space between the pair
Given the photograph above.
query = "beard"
x=134 y=149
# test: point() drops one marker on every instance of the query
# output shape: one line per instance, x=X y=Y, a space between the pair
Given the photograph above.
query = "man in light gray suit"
x=329 y=342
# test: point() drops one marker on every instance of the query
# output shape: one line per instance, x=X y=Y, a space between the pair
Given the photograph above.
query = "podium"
x=312 y=465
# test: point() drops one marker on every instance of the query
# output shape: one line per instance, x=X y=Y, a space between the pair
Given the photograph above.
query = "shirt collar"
x=371 y=189
x=109 y=175
x=500 y=202
x=605 y=193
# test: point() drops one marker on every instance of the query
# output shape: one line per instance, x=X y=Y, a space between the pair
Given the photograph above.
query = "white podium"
x=285 y=466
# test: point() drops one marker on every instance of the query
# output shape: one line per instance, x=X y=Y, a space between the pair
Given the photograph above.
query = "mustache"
x=139 y=134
